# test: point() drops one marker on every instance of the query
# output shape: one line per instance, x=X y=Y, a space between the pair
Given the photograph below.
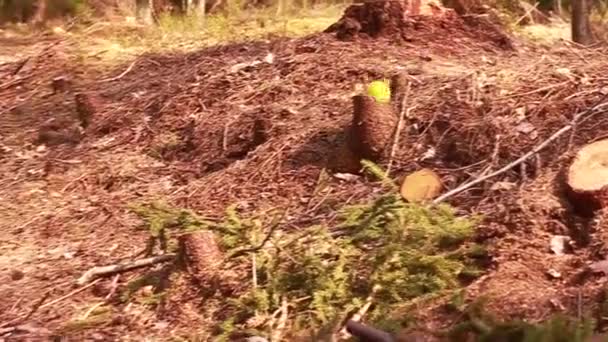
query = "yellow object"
x=421 y=186
x=380 y=90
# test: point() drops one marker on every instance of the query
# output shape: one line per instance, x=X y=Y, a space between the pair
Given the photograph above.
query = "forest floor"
x=181 y=127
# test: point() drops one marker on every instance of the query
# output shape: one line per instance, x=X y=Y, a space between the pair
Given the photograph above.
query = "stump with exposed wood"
x=421 y=186
x=587 y=177
x=372 y=128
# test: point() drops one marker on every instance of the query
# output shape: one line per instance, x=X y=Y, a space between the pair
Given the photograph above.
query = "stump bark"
x=372 y=128
x=587 y=177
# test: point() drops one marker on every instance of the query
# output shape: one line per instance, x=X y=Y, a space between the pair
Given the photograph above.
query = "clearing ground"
x=260 y=125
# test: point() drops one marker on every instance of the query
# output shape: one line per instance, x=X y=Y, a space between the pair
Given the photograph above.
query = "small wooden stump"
x=588 y=177
x=203 y=257
x=372 y=128
x=421 y=186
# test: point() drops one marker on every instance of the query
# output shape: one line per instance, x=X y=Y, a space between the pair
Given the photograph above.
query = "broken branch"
x=100 y=271
x=402 y=110
x=578 y=118
x=128 y=70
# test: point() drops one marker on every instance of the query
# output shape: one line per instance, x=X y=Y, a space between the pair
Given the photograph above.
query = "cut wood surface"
x=588 y=176
x=421 y=186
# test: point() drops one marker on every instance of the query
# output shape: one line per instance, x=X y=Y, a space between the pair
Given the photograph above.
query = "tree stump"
x=372 y=128
x=587 y=177
x=203 y=257
x=420 y=186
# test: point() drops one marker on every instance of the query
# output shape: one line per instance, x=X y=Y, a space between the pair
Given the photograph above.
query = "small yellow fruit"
x=380 y=91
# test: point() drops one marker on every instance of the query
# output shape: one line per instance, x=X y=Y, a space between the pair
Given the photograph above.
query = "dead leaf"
x=349 y=177
x=503 y=186
x=600 y=267
x=554 y=273
x=269 y=58
x=428 y=154
x=525 y=128
x=559 y=243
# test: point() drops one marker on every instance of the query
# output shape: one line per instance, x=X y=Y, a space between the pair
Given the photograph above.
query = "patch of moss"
x=386 y=250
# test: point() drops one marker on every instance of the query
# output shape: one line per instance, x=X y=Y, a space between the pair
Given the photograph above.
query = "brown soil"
x=196 y=132
x=391 y=19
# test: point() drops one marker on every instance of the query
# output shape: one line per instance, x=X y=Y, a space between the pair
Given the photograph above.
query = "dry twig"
x=402 y=110
x=70 y=294
x=123 y=74
x=101 y=271
x=578 y=118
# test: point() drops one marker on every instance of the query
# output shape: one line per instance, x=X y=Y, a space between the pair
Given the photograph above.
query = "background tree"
x=143 y=11
x=581 y=27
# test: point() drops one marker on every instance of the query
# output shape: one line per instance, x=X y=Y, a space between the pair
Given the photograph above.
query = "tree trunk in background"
x=41 y=8
x=201 y=8
x=143 y=11
x=280 y=7
x=581 y=28
x=557 y=7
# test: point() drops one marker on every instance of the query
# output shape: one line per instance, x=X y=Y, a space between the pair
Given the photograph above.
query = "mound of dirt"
x=194 y=129
x=396 y=20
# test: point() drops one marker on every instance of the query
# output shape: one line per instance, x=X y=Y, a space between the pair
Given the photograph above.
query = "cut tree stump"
x=372 y=128
x=203 y=257
x=421 y=186
x=588 y=177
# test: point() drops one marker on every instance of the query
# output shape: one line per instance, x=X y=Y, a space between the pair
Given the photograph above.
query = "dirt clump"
x=376 y=18
x=396 y=20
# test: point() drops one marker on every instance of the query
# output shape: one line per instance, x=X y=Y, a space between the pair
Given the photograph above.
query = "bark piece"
x=588 y=177
x=420 y=186
x=372 y=128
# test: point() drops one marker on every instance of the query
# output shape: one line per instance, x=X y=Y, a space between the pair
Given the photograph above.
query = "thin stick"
x=70 y=294
x=263 y=243
x=280 y=328
x=536 y=149
x=357 y=316
x=121 y=75
x=528 y=12
x=402 y=110
x=113 y=288
x=101 y=271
